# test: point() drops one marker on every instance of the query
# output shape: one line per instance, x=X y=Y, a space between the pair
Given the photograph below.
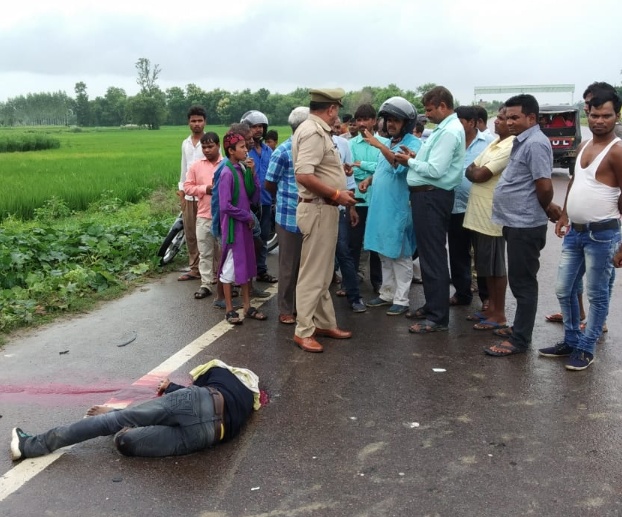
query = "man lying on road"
x=184 y=420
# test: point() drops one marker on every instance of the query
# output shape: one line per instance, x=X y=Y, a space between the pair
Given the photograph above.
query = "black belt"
x=319 y=200
x=422 y=188
x=219 y=413
x=612 y=224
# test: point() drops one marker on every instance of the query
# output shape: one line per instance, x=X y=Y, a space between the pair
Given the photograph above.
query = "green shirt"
x=368 y=156
x=439 y=162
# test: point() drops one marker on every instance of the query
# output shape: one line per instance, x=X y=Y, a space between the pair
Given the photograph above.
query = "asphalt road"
x=368 y=428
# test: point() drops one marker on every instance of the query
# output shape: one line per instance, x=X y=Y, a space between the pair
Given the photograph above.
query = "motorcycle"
x=176 y=238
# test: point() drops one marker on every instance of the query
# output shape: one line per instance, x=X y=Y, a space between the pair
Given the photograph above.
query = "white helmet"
x=254 y=117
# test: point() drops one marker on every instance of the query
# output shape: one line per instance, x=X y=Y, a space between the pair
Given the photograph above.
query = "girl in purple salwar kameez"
x=237 y=189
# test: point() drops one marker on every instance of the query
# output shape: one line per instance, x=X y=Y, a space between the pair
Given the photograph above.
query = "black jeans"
x=357 y=234
x=523 y=248
x=459 y=240
x=431 y=212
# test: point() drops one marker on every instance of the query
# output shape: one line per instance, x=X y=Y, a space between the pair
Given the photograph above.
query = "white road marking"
x=23 y=472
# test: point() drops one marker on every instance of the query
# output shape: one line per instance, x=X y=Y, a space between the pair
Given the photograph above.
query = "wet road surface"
x=368 y=428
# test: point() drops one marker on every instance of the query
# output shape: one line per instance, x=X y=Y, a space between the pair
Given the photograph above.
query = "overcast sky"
x=280 y=45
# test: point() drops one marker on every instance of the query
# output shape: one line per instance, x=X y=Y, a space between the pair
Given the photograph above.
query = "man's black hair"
x=600 y=97
x=272 y=135
x=198 y=111
x=482 y=113
x=437 y=95
x=596 y=87
x=210 y=138
x=528 y=104
x=467 y=113
x=347 y=118
x=419 y=127
x=364 y=111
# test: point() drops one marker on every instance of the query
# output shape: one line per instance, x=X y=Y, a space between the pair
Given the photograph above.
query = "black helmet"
x=254 y=117
x=400 y=108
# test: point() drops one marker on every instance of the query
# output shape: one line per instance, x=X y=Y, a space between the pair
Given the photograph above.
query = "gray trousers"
x=290 y=246
x=178 y=423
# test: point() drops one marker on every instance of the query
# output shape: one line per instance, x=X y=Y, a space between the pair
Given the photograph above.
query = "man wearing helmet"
x=261 y=153
x=321 y=189
x=389 y=229
x=434 y=172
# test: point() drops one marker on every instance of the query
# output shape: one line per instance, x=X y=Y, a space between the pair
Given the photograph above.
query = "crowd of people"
x=471 y=206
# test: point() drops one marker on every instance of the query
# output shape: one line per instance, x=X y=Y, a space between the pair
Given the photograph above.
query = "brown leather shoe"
x=308 y=344
x=335 y=333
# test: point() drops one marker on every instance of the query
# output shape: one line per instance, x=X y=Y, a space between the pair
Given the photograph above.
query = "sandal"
x=489 y=325
x=187 y=276
x=427 y=327
x=265 y=277
x=454 y=301
x=233 y=317
x=555 y=318
x=476 y=316
x=504 y=332
x=504 y=349
x=287 y=319
x=254 y=314
x=417 y=314
x=340 y=292
x=203 y=292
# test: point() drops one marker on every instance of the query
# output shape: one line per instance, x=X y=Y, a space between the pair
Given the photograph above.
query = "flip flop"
x=503 y=332
x=476 y=316
x=287 y=319
x=427 y=327
x=417 y=314
x=253 y=314
x=203 y=292
x=340 y=292
x=506 y=348
x=555 y=318
x=187 y=276
x=489 y=325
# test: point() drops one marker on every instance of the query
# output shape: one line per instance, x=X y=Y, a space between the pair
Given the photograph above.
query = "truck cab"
x=562 y=125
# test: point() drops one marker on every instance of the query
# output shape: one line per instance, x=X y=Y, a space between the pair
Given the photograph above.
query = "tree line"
x=153 y=107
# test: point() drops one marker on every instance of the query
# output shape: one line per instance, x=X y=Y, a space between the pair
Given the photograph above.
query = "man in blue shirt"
x=281 y=181
x=520 y=204
x=261 y=153
x=434 y=172
x=459 y=237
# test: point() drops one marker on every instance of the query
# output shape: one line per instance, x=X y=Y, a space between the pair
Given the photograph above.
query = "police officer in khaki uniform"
x=321 y=182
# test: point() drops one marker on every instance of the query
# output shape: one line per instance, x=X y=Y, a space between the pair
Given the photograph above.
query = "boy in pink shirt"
x=198 y=183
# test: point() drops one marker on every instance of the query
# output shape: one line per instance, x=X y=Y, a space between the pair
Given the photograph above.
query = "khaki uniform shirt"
x=314 y=152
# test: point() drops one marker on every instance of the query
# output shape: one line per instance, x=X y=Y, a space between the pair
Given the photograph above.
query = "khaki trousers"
x=189 y=215
x=319 y=224
x=208 y=248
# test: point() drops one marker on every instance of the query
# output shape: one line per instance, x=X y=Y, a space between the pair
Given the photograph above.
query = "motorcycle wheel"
x=273 y=240
x=171 y=246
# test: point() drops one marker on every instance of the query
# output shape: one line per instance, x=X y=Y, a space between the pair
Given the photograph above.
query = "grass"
x=128 y=165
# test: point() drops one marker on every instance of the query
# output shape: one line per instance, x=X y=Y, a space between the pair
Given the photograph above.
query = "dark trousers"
x=357 y=234
x=290 y=246
x=523 y=248
x=431 y=212
x=265 y=223
x=459 y=240
x=344 y=258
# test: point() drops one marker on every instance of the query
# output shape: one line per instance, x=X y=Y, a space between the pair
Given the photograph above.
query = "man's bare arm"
x=312 y=183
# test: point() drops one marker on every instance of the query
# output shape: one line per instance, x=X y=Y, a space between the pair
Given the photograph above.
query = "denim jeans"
x=178 y=423
x=590 y=253
x=344 y=259
x=523 y=248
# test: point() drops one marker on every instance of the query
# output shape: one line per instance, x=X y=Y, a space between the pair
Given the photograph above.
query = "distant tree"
x=177 y=106
x=115 y=106
x=424 y=88
x=148 y=109
x=81 y=105
x=147 y=76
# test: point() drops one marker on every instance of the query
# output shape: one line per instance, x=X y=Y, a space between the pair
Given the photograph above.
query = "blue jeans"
x=590 y=253
x=344 y=259
x=178 y=423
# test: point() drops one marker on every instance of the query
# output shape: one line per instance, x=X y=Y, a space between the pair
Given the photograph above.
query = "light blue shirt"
x=440 y=160
x=368 y=156
x=463 y=190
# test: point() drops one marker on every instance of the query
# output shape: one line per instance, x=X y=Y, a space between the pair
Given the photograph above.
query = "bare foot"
x=98 y=410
